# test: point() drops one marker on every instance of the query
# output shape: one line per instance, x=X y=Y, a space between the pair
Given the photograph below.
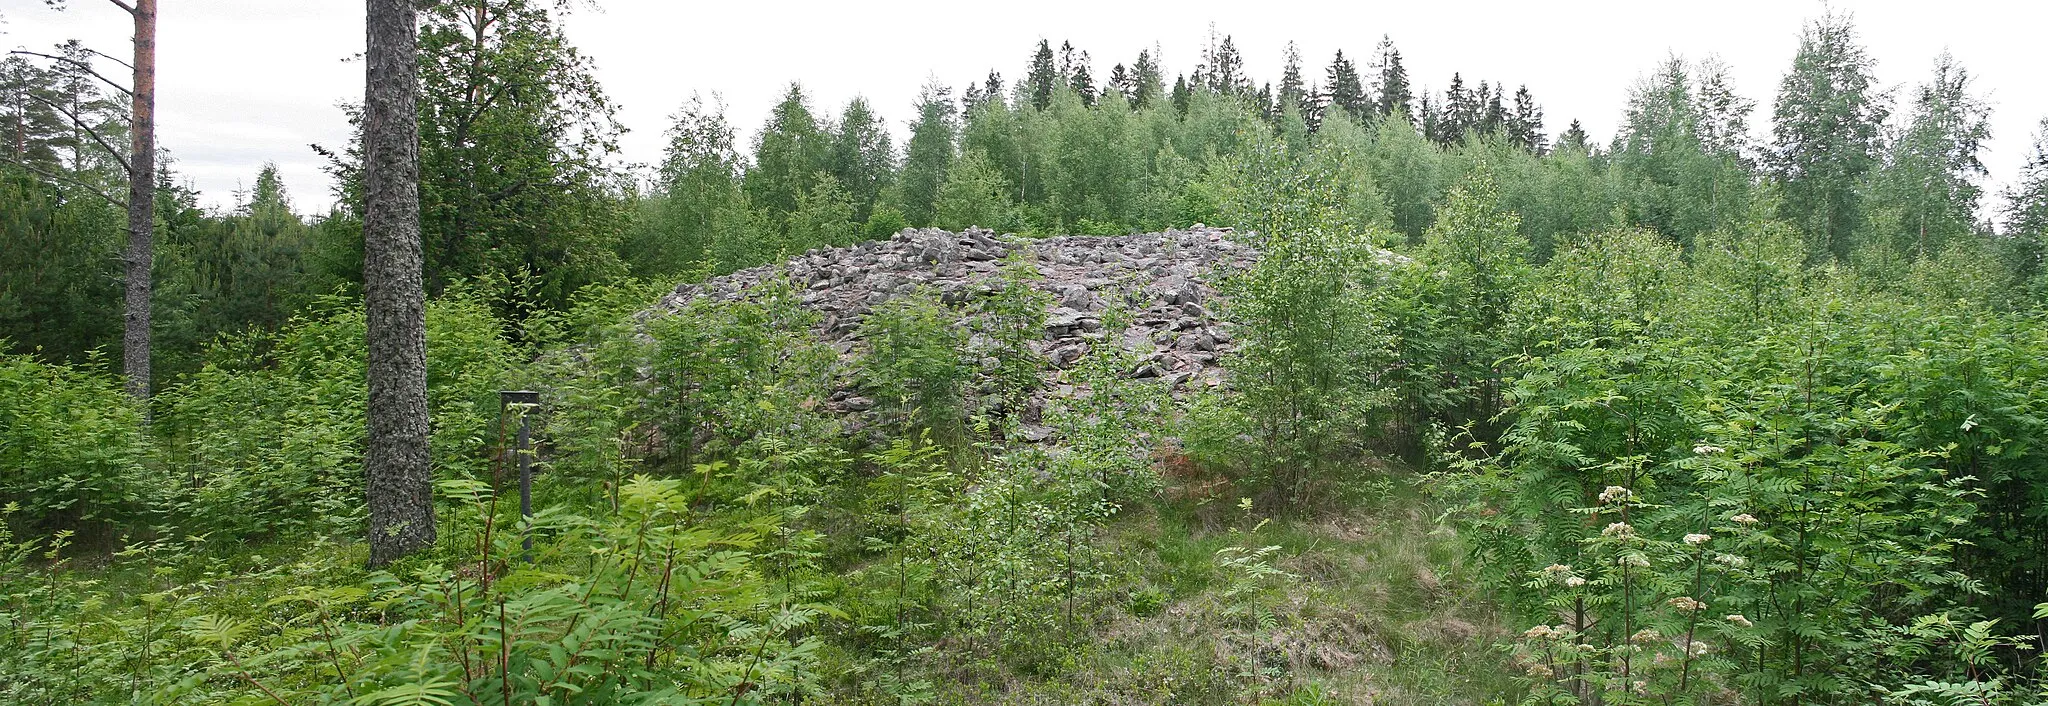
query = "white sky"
x=242 y=82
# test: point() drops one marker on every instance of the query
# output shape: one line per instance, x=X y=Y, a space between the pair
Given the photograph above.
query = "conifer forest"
x=1131 y=380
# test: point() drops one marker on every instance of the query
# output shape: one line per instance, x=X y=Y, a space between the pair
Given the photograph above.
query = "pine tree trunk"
x=141 y=256
x=396 y=467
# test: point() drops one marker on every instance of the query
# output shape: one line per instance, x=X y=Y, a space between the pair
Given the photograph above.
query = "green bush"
x=73 y=451
x=914 y=364
x=272 y=441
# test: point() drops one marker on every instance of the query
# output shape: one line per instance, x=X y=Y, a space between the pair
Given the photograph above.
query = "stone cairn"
x=1164 y=281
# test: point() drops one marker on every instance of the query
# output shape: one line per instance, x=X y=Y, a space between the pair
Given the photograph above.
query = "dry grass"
x=1379 y=610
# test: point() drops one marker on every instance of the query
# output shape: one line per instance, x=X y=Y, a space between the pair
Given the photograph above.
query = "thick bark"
x=395 y=466
x=141 y=255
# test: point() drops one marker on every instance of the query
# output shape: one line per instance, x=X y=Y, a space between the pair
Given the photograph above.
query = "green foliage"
x=269 y=437
x=975 y=194
x=824 y=217
x=1672 y=175
x=73 y=454
x=1925 y=195
x=60 y=273
x=1695 y=498
x=928 y=154
x=723 y=374
x=1711 y=433
x=1826 y=131
x=914 y=364
x=698 y=205
x=1309 y=343
x=1481 y=260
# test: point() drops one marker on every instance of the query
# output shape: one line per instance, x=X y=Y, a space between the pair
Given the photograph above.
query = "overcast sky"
x=242 y=82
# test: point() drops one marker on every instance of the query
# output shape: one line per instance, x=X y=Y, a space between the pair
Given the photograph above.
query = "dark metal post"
x=526 y=400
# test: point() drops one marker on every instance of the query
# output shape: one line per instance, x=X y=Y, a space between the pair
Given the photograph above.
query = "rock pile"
x=1163 y=280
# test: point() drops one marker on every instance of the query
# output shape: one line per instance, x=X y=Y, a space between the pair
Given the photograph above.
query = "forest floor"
x=1373 y=604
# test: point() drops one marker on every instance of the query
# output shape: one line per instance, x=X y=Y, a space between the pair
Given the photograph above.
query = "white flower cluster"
x=1739 y=620
x=1708 y=450
x=1687 y=604
x=1614 y=494
x=1563 y=572
x=1697 y=539
x=1619 y=529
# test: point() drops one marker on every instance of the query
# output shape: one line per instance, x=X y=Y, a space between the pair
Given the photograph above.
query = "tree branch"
x=109 y=57
x=124 y=6
x=76 y=121
x=80 y=64
x=90 y=189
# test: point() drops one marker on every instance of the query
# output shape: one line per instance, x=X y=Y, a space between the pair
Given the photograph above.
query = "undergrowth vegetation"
x=1500 y=425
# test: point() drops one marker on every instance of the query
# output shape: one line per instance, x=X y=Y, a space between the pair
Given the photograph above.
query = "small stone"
x=859 y=404
x=1068 y=355
x=1075 y=296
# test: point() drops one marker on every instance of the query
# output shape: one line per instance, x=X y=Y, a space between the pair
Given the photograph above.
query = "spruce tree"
x=1460 y=112
x=1147 y=79
x=1292 y=91
x=1430 y=120
x=1825 y=134
x=1180 y=94
x=1391 y=82
x=1074 y=66
x=1346 y=92
x=1574 y=139
x=991 y=89
x=1038 y=84
x=34 y=130
x=1525 y=123
x=1122 y=82
x=1492 y=116
x=1222 y=68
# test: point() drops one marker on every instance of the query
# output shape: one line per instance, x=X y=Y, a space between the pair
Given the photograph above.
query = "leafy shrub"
x=272 y=441
x=73 y=451
x=914 y=364
x=1789 y=509
x=1310 y=343
x=729 y=373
